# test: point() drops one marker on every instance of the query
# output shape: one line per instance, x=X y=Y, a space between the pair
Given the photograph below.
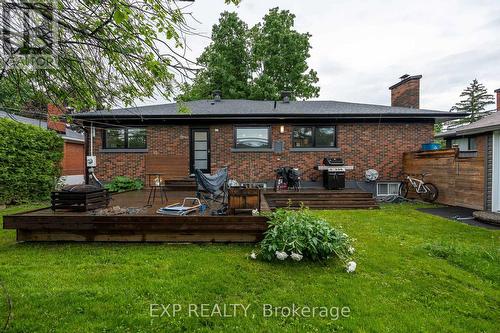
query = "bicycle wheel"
x=432 y=192
x=403 y=189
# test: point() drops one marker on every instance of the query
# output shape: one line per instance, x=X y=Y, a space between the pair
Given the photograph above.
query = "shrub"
x=301 y=234
x=123 y=183
x=30 y=162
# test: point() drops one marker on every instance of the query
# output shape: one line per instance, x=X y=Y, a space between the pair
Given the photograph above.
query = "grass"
x=416 y=273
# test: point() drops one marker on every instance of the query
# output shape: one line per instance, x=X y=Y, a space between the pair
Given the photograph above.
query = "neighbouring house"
x=468 y=172
x=254 y=138
x=73 y=163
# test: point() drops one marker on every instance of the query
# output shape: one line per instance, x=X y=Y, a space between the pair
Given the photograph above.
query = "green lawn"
x=416 y=273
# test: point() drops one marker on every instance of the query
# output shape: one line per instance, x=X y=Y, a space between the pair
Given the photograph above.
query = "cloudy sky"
x=361 y=47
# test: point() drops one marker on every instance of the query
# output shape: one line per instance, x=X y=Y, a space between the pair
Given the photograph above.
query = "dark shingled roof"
x=239 y=108
x=486 y=124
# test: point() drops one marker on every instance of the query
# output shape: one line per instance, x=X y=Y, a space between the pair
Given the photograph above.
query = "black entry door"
x=200 y=149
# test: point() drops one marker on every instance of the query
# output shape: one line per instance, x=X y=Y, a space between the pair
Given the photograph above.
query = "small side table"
x=156 y=186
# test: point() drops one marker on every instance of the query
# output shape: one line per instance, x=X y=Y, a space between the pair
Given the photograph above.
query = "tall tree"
x=107 y=51
x=226 y=62
x=255 y=64
x=280 y=56
x=474 y=103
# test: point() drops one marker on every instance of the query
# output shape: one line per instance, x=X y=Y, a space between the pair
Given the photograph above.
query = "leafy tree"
x=474 y=103
x=280 y=56
x=107 y=51
x=255 y=64
x=226 y=62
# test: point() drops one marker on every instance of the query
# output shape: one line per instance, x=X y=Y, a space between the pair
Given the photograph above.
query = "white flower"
x=253 y=255
x=281 y=255
x=255 y=212
x=296 y=256
x=350 y=250
x=350 y=267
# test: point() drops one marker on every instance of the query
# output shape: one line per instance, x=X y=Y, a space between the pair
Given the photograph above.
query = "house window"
x=125 y=138
x=386 y=189
x=465 y=144
x=252 y=137
x=314 y=137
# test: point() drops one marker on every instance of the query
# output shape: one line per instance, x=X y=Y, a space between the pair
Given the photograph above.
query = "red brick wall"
x=161 y=140
x=73 y=162
x=53 y=112
x=406 y=94
x=363 y=145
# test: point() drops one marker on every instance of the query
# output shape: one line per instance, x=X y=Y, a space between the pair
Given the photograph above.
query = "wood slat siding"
x=460 y=181
x=170 y=167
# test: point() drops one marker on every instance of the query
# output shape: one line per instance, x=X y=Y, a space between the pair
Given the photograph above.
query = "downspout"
x=87 y=134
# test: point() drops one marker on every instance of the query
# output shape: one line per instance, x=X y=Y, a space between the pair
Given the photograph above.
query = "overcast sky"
x=361 y=47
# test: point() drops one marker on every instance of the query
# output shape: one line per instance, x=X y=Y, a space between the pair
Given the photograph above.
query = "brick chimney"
x=406 y=92
x=498 y=99
x=53 y=120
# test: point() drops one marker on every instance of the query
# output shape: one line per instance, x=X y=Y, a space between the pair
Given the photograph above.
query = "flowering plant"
x=301 y=234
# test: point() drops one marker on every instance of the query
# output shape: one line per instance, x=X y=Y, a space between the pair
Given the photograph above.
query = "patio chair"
x=212 y=188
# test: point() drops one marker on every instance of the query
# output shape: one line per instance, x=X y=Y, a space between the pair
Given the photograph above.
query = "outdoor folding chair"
x=212 y=188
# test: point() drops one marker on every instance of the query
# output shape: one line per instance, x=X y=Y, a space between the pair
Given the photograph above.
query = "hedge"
x=30 y=162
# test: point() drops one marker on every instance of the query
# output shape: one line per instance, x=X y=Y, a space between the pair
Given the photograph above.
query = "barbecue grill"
x=334 y=174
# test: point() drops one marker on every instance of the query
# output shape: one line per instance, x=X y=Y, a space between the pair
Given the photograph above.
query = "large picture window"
x=125 y=138
x=314 y=137
x=252 y=137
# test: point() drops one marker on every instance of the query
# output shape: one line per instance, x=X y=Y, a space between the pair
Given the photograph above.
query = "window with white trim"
x=386 y=189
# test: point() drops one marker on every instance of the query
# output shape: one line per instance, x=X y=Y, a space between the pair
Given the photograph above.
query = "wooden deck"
x=138 y=223
x=142 y=225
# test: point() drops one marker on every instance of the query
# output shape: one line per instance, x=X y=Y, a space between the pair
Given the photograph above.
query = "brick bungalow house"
x=253 y=138
x=73 y=163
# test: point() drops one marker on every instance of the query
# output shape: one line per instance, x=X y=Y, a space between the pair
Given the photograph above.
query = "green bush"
x=122 y=183
x=300 y=233
x=30 y=162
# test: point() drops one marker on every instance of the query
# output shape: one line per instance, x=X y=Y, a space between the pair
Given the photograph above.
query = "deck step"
x=342 y=199
x=181 y=185
x=333 y=208
x=317 y=195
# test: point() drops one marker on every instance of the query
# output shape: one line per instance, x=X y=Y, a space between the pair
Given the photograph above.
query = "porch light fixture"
x=282 y=129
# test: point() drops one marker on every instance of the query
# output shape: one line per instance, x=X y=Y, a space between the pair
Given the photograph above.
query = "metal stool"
x=152 y=194
x=156 y=186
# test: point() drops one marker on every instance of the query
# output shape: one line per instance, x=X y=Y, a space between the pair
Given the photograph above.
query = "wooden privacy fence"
x=460 y=180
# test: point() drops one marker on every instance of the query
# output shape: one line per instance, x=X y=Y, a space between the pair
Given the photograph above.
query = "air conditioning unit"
x=91 y=162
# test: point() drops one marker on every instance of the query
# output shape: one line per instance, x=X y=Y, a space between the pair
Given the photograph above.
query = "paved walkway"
x=459 y=214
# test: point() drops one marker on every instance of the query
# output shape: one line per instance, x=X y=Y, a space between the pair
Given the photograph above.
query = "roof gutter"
x=447 y=116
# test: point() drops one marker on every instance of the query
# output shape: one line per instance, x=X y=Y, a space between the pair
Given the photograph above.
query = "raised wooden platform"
x=322 y=199
x=123 y=228
x=144 y=226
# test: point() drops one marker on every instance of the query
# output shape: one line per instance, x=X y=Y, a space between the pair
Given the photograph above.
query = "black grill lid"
x=333 y=161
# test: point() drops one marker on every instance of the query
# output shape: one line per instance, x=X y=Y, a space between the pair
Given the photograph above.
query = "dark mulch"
x=459 y=214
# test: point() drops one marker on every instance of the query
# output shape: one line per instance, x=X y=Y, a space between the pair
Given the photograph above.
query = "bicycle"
x=427 y=191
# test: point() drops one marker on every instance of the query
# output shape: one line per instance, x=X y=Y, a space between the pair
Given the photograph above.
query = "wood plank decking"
x=144 y=225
